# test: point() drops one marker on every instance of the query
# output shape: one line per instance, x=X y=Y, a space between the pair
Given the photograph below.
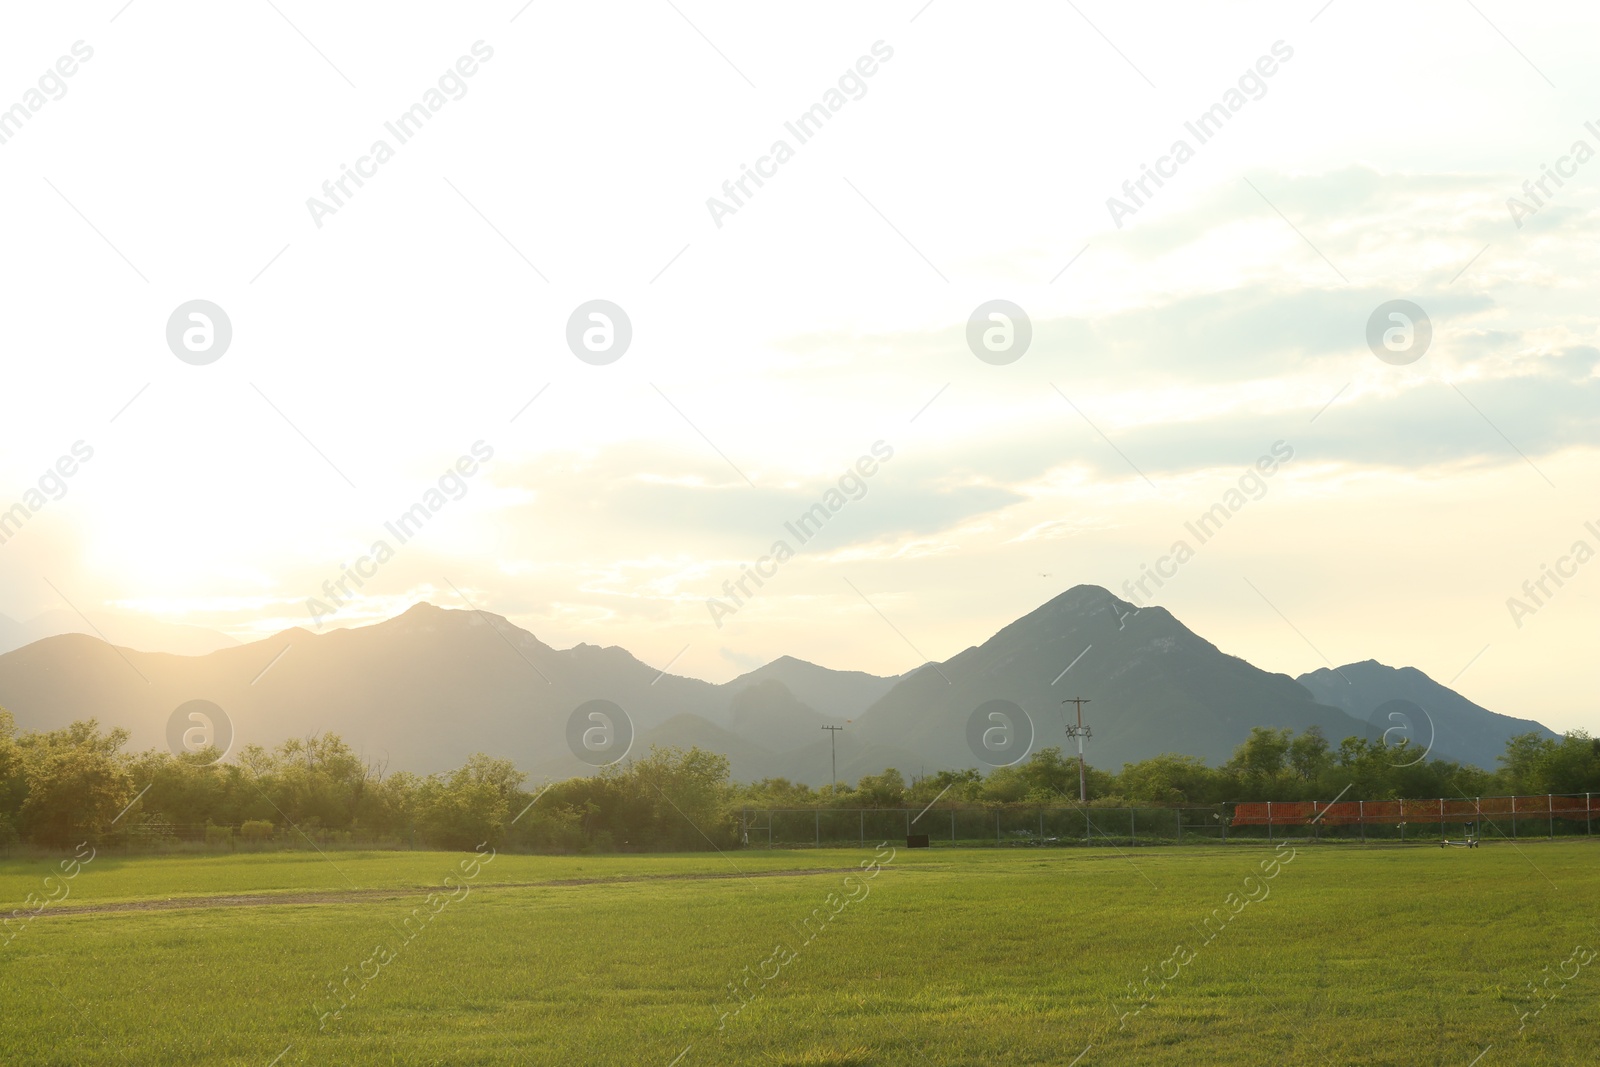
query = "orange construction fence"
x=1352 y=812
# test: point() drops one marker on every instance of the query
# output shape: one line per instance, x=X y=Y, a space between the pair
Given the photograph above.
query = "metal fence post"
x=997 y=826
x=1133 y=834
x=863 y=815
x=818 y=814
x=1588 y=827
x=1361 y=817
x=952 y=826
x=908 y=822
x=1269 y=822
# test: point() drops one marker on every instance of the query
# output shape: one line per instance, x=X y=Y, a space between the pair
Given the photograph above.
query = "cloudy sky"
x=378 y=337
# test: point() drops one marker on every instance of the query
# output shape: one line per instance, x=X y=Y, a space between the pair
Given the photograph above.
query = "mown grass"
x=1382 y=956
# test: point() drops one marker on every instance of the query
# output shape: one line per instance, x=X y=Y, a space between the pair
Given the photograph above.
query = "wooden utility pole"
x=833 y=734
x=1079 y=731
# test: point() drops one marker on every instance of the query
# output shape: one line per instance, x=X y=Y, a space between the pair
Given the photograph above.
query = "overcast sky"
x=1175 y=339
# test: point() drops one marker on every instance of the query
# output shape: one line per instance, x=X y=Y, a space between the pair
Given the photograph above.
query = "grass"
x=1352 y=956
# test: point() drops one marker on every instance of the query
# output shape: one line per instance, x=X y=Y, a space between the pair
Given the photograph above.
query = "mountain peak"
x=1084 y=599
x=1086 y=608
x=1084 y=593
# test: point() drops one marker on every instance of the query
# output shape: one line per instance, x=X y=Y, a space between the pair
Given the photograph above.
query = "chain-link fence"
x=975 y=826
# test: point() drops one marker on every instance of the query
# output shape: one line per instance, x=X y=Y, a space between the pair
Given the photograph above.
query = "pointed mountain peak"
x=1093 y=607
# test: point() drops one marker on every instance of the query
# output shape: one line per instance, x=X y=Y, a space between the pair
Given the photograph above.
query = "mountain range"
x=131 y=631
x=426 y=689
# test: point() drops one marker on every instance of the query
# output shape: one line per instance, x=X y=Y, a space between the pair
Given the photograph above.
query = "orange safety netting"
x=1350 y=812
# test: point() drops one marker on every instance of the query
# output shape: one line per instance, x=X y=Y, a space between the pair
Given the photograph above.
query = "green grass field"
x=999 y=956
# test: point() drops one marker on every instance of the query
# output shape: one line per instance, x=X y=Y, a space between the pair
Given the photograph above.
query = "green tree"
x=1170 y=779
x=686 y=798
x=470 y=805
x=1309 y=756
x=1522 y=763
x=1259 y=765
x=1573 y=765
x=948 y=786
x=1262 y=754
x=1535 y=764
x=76 y=783
x=13 y=785
x=886 y=790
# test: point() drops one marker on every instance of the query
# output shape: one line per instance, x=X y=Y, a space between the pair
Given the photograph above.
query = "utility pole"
x=833 y=735
x=1079 y=731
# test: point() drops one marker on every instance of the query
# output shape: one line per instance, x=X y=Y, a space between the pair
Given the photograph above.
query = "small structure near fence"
x=1484 y=817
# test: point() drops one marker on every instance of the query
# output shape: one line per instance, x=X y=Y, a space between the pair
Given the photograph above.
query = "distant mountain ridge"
x=845 y=694
x=1462 y=730
x=424 y=690
x=130 y=631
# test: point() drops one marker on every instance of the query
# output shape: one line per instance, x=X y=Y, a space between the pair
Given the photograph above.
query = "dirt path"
x=346 y=896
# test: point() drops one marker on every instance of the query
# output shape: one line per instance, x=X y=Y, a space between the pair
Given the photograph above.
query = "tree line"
x=60 y=787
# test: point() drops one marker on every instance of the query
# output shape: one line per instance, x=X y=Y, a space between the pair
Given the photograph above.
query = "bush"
x=219 y=835
x=151 y=829
x=256 y=831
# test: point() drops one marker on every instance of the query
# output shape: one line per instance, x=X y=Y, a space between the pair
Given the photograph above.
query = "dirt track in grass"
x=347 y=896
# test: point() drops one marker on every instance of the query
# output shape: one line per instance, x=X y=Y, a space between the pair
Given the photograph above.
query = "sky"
x=387 y=337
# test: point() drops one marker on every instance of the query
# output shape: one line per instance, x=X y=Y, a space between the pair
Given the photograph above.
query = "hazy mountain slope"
x=1462 y=730
x=769 y=714
x=11 y=634
x=840 y=694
